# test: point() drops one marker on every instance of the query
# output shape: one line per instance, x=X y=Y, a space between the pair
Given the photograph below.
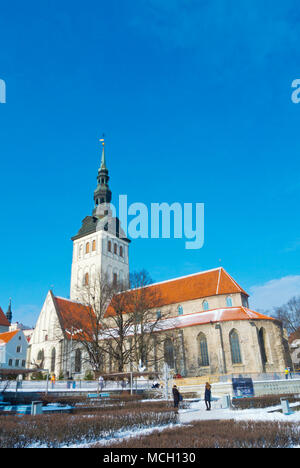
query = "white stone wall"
x=99 y=262
x=46 y=336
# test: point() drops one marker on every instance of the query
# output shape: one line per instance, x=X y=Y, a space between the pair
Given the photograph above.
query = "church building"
x=209 y=312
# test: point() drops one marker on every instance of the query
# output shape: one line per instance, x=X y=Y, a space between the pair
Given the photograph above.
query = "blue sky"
x=195 y=100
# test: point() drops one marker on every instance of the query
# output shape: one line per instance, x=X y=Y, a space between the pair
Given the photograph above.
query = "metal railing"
x=68 y=385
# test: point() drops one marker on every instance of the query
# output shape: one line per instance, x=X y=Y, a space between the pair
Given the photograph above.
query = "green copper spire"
x=103 y=162
x=9 y=312
x=102 y=193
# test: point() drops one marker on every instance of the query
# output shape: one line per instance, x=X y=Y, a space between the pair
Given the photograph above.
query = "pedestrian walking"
x=53 y=380
x=176 y=397
x=286 y=372
x=207 y=396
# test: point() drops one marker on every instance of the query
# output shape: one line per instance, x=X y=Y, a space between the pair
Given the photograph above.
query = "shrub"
x=218 y=434
x=262 y=401
x=65 y=429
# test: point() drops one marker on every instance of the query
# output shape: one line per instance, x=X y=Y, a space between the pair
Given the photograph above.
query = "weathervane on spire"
x=102 y=140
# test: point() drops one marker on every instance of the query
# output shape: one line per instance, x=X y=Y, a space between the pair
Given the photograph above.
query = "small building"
x=13 y=350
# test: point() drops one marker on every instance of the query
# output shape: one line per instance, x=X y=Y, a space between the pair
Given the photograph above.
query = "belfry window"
x=93 y=245
x=115 y=279
x=180 y=310
x=87 y=247
x=109 y=246
x=205 y=305
x=121 y=251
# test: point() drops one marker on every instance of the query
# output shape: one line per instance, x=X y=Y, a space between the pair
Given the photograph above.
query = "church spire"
x=102 y=193
x=9 y=312
x=103 y=162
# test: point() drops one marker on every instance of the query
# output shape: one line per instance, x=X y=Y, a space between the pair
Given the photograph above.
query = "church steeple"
x=102 y=194
x=9 y=312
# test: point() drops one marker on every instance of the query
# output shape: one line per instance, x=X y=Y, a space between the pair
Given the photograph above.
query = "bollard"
x=285 y=406
x=225 y=403
x=36 y=408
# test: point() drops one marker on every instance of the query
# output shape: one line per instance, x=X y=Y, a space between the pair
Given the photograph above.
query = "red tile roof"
x=7 y=336
x=226 y=314
x=74 y=317
x=4 y=322
x=294 y=336
x=188 y=288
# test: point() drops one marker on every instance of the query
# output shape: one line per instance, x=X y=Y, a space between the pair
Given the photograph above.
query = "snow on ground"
x=197 y=412
x=119 y=436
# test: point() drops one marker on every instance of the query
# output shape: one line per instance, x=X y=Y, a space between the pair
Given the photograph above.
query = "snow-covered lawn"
x=197 y=412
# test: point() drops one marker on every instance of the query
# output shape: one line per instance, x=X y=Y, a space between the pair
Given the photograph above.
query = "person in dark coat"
x=176 y=396
x=207 y=396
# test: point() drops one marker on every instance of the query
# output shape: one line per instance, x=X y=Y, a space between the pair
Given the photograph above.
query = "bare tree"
x=289 y=314
x=122 y=327
x=149 y=321
x=87 y=331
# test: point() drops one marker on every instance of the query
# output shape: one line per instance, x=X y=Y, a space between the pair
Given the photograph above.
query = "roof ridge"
x=174 y=279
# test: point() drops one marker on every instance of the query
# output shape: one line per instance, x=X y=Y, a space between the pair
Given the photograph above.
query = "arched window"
x=86 y=279
x=109 y=246
x=205 y=305
x=203 y=350
x=40 y=357
x=77 y=360
x=53 y=355
x=121 y=251
x=235 y=347
x=228 y=301
x=87 y=247
x=158 y=314
x=115 y=249
x=180 y=310
x=93 y=245
x=262 y=345
x=169 y=353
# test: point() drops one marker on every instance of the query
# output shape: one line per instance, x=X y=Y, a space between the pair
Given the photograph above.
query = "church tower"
x=100 y=248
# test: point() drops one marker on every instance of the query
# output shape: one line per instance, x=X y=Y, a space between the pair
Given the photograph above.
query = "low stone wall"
x=267 y=387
